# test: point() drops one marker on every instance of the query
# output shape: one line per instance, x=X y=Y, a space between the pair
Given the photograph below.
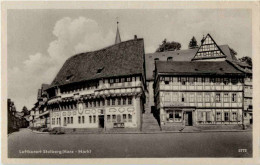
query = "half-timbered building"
x=100 y=89
x=194 y=93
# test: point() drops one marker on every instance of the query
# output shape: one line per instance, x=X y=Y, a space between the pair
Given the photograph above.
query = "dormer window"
x=68 y=78
x=100 y=70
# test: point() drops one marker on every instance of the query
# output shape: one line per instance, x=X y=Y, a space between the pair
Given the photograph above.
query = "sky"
x=40 y=40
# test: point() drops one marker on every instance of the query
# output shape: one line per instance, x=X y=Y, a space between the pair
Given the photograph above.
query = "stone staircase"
x=150 y=124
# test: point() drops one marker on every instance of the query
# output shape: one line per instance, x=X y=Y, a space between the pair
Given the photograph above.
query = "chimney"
x=135 y=37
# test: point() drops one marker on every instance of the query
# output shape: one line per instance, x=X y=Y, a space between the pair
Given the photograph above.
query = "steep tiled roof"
x=197 y=68
x=125 y=58
x=180 y=55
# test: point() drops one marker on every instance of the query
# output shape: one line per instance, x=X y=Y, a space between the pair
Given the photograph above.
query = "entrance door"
x=101 y=121
x=188 y=118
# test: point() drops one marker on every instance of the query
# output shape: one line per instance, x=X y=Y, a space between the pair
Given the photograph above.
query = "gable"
x=209 y=50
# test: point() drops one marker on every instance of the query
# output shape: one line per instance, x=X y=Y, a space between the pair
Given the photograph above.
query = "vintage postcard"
x=130 y=82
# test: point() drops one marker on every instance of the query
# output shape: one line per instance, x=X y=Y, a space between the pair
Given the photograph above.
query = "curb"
x=161 y=132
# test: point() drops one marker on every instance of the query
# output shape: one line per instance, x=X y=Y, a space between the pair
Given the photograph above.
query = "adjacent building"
x=101 y=89
x=39 y=115
x=208 y=89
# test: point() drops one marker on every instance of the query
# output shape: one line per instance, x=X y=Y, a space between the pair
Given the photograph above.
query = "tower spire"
x=118 y=38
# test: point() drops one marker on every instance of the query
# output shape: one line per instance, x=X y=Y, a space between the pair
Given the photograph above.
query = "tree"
x=247 y=60
x=168 y=46
x=25 y=111
x=193 y=43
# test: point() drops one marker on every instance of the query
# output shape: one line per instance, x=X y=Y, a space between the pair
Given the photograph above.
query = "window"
x=218 y=97
x=53 y=121
x=68 y=120
x=226 y=116
x=129 y=101
x=218 y=116
x=94 y=103
x=207 y=81
x=234 y=116
x=79 y=119
x=108 y=118
x=65 y=122
x=183 y=81
x=199 y=97
x=57 y=120
x=226 y=81
x=207 y=97
x=86 y=104
x=114 y=118
x=212 y=80
x=71 y=120
x=128 y=79
x=191 y=97
x=98 y=103
x=167 y=97
x=124 y=101
x=166 y=82
x=94 y=119
x=129 y=118
x=191 y=80
x=175 y=96
x=119 y=101
x=208 y=116
x=113 y=101
x=200 y=116
x=234 y=81
x=103 y=102
x=218 y=80
x=83 y=119
x=234 y=97
x=182 y=98
x=171 y=115
x=90 y=119
x=124 y=117
x=90 y=104
x=108 y=102
x=178 y=116
x=226 y=100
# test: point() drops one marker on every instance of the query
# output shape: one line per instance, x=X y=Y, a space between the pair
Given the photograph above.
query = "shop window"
x=71 y=120
x=90 y=119
x=79 y=119
x=217 y=97
x=234 y=116
x=208 y=116
x=218 y=116
x=114 y=118
x=94 y=119
x=226 y=100
x=226 y=116
x=124 y=117
x=129 y=118
x=119 y=101
x=200 y=116
x=108 y=118
x=178 y=116
x=130 y=101
x=234 y=97
x=171 y=115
